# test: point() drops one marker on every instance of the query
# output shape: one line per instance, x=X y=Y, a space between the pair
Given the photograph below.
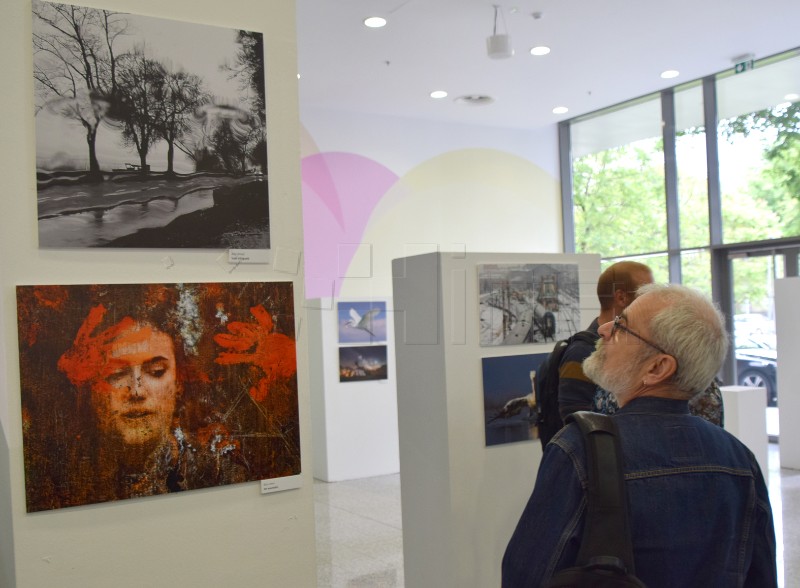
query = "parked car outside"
x=756 y=365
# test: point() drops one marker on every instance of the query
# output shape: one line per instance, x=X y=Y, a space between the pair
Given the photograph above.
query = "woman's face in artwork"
x=135 y=401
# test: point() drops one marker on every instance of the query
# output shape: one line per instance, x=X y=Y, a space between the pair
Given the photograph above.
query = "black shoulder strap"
x=606 y=536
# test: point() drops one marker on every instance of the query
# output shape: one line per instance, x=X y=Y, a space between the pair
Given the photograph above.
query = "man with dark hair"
x=699 y=509
x=616 y=289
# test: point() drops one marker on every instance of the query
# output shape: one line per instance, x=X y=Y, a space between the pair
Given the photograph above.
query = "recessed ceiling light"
x=792 y=97
x=375 y=22
x=475 y=99
x=540 y=50
x=560 y=110
x=438 y=94
x=670 y=73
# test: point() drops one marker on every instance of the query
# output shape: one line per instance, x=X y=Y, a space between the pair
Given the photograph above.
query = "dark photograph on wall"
x=509 y=398
x=363 y=362
x=137 y=390
x=528 y=303
x=149 y=132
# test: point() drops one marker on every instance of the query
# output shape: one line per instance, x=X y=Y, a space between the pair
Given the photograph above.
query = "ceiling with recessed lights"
x=601 y=53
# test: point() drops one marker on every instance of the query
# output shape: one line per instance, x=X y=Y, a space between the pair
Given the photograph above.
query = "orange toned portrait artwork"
x=136 y=390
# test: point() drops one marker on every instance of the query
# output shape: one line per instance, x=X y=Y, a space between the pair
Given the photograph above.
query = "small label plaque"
x=280 y=484
x=249 y=256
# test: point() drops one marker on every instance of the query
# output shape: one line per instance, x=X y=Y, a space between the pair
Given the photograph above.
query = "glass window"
x=696 y=270
x=759 y=151
x=690 y=155
x=754 y=322
x=618 y=181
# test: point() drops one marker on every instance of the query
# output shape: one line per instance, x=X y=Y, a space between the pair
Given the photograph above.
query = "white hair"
x=692 y=329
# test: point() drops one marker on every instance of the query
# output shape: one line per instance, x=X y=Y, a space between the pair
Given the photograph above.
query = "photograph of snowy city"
x=528 y=303
x=149 y=132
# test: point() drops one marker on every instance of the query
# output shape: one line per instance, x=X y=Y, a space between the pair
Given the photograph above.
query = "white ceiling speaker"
x=499 y=46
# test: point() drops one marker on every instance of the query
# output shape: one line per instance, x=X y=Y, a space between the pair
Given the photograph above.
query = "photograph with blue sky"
x=362 y=322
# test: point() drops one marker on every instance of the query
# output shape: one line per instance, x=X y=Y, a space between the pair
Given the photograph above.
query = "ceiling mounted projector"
x=499 y=46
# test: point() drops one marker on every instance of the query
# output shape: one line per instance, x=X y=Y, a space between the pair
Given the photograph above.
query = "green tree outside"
x=620 y=212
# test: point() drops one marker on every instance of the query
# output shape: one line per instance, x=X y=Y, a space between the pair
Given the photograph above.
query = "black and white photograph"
x=149 y=132
x=528 y=303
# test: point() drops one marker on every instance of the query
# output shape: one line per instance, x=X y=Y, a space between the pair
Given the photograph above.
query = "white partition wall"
x=461 y=499
x=354 y=422
x=787 y=322
x=223 y=536
x=746 y=419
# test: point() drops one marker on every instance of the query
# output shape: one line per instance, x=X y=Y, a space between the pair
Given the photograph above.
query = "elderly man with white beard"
x=699 y=509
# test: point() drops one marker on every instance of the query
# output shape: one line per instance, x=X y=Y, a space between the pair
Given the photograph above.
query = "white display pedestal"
x=354 y=424
x=461 y=500
x=787 y=323
x=746 y=419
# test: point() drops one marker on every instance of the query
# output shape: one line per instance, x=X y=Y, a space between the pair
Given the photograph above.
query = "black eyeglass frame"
x=618 y=325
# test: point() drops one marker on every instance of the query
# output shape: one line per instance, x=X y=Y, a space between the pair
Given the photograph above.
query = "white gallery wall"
x=355 y=422
x=787 y=326
x=230 y=535
x=377 y=188
x=461 y=496
x=402 y=143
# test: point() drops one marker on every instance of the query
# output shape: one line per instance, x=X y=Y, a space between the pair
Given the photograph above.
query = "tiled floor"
x=359 y=533
x=360 y=536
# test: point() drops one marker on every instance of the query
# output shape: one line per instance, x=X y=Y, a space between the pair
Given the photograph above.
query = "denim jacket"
x=700 y=512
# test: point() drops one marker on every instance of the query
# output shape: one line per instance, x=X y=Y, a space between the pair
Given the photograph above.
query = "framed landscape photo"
x=149 y=132
x=363 y=362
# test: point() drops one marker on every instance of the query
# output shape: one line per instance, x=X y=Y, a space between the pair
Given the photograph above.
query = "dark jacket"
x=700 y=512
x=575 y=390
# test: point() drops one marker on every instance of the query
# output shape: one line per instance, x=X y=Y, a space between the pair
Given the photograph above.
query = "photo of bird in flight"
x=362 y=322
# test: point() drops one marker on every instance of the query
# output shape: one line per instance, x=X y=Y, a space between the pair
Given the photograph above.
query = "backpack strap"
x=606 y=542
x=585 y=336
x=547 y=383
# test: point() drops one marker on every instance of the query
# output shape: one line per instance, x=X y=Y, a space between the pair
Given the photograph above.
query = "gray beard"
x=618 y=382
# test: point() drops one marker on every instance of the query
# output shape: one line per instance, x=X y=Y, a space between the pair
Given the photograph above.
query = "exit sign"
x=743 y=66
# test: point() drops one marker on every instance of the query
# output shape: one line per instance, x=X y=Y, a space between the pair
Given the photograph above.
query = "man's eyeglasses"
x=618 y=325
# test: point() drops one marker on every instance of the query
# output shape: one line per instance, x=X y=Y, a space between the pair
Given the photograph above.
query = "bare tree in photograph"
x=229 y=143
x=75 y=65
x=216 y=137
x=249 y=70
x=195 y=145
x=150 y=100
x=140 y=113
x=182 y=95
